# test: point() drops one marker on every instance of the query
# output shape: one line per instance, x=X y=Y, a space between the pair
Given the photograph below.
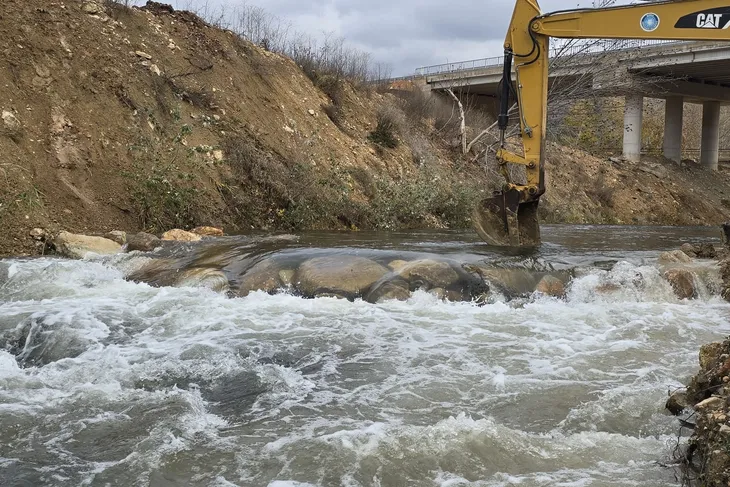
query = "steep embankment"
x=129 y=118
x=118 y=118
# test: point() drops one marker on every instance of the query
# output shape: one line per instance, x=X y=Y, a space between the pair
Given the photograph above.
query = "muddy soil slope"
x=149 y=118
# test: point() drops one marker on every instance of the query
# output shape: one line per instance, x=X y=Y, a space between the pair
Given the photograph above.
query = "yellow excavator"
x=510 y=218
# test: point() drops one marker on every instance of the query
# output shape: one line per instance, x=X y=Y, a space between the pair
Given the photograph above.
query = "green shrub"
x=162 y=192
x=163 y=199
x=386 y=131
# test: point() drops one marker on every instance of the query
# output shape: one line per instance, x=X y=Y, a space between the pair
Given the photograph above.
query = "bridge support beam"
x=633 y=115
x=673 y=115
x=709 y=152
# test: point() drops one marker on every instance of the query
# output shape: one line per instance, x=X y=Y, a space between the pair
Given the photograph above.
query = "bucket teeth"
x=504 y=221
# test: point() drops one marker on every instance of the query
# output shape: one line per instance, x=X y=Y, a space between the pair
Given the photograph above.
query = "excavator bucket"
x=503 y=221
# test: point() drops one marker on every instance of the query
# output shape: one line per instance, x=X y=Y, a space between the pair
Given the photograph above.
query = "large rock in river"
x=264 y=276
x=682 y=282
x=702 y=251
x=144 y=242
x=551 y=285
x=180 y=235
x=428 y=274
x=347 y=276
x=674 y=257
x=79 y=246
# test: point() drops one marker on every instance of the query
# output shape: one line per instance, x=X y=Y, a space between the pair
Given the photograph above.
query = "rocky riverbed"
x=240 y=265
x=239 y=359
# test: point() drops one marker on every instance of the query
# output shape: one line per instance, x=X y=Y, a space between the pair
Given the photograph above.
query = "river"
x=106 y=382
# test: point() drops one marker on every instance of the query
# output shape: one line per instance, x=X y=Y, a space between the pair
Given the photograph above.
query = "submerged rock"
x=343 y=275
x=180 y=236
x=156 y=272
x=446 y=294
x=682 y=282
x=78 y=246
x=552 y=286
x=203 y=277
x=427 y=274
x=37 y=343
x=397 y=264
x=388 y=288
x=286 y=276
x=143 y=242
x=264 y=276
x=510 y=282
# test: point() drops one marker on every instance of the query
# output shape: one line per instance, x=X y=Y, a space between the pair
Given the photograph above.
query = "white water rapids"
x=106 y=382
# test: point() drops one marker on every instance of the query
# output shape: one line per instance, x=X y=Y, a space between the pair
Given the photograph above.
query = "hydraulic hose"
x=503 y=118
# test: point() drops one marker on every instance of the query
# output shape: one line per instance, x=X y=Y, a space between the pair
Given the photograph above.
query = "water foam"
x=277 y=390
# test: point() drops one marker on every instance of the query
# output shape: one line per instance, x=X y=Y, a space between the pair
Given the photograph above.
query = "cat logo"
x=710 y=21
x=714 y=18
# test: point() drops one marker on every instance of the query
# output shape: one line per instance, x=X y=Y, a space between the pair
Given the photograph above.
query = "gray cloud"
x=404 y=33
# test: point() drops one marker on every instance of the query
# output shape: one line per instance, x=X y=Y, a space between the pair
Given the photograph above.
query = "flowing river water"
x=107 y=382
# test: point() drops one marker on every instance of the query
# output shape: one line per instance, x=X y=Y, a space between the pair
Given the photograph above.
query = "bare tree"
x=462 y=120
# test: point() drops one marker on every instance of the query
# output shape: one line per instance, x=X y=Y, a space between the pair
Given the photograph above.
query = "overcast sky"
x=405 y=33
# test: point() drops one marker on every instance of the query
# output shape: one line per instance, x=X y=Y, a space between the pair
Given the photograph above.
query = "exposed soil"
x=586 y=189
x=130 y=119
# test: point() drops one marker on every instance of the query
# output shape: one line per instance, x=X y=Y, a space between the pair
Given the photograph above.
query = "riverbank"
x=117 y=118
x=706 y=457
x=704 y=407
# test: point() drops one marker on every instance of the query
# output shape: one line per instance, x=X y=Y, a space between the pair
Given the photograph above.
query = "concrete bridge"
x=679 y=72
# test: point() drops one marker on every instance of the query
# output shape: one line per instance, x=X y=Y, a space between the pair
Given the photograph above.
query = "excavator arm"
x=510 y=217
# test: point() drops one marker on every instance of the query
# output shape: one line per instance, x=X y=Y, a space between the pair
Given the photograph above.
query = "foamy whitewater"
x=106 y=382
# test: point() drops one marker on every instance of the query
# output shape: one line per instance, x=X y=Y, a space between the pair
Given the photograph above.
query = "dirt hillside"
x=585 y=189
x=149 y=118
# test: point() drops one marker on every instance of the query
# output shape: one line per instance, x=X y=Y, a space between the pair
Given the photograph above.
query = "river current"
x=107 y=382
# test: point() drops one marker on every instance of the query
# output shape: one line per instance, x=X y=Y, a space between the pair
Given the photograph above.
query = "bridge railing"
x=569 y=49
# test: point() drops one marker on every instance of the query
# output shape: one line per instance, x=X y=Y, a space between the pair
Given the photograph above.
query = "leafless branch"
x=462 y=120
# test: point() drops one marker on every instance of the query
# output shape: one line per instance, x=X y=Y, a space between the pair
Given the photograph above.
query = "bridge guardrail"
x=568 y=50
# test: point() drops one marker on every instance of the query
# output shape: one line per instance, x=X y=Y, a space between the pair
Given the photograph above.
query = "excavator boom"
x=510 y=216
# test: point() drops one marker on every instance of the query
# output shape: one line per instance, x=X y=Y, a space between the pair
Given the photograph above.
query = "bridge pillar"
x=709 y=153
x=673 y=114
x=633 y=114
